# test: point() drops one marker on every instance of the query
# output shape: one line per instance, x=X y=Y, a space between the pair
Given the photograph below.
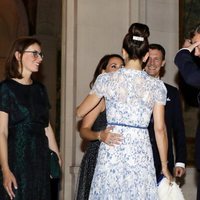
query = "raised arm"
x=161 y=137
x=87 y=105
x=186 y=65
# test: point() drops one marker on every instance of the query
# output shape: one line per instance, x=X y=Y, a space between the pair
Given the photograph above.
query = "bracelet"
x=99 y=136
x=164 y=161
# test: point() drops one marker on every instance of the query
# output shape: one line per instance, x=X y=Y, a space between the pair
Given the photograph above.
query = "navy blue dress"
x=89 y=160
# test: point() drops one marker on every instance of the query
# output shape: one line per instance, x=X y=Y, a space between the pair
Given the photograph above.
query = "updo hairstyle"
x=136 y=41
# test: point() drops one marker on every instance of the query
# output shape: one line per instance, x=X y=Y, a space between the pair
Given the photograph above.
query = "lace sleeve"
x=161 y=93
x=99 y=87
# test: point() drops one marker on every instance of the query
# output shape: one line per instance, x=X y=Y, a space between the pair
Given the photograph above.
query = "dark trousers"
x=198 y=186
x=197 y=158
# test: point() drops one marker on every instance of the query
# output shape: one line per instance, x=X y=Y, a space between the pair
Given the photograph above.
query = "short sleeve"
x=46 y=97
x=4 y=98
x=160 y=93
x=99 y=87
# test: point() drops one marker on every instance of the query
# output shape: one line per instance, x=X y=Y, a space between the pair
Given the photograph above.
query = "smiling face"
x=30 y=59
x=155 y=62
x=114 y=64
x=196 y=38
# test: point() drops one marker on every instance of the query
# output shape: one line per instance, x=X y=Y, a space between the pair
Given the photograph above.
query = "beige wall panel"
x=162 y=18
x=101 y=26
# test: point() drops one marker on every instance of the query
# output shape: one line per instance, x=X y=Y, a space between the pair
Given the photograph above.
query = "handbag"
x=55 y=170
x=169 y=191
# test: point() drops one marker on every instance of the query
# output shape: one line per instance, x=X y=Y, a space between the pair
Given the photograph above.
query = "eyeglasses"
x=36 y=54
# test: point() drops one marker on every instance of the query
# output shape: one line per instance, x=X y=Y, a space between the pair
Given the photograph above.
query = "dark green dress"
x=28 y=110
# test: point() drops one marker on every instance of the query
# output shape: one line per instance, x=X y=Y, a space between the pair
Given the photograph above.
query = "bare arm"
x=88 y=121
x=161 y=137
x=8 y=178
x=52 y=141
x=3 y=140
x=104 y=135
x=87 y=105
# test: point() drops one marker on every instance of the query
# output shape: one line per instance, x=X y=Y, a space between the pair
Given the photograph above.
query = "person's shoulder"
x=106 y=76
x=5 y=86
x=152 y=80
x=183 y=51
x=5 y=82
x=159 y=85
x=156 y=80
x=171 y=87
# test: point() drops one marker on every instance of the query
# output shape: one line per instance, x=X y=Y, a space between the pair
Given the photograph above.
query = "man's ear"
x=163 y=63
x=145 y=57
x=18 y=55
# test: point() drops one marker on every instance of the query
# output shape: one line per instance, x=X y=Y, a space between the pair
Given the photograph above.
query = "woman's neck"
x=24 y=81
x=134 y=64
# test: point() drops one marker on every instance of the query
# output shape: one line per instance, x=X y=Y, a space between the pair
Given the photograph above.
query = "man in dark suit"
x=173 y=118
x=190 y=71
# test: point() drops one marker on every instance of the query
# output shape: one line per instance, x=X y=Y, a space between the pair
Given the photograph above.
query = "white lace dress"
x=126 y=171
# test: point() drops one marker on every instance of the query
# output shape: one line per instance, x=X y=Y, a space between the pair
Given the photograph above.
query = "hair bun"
x=139 y=30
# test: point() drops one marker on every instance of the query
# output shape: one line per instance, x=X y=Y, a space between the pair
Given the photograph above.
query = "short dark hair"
x=103 y=64
x=194 y=30
x=20 y=45
x=158 y=47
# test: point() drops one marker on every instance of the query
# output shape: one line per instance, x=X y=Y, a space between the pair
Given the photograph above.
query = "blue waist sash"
x=127 y=125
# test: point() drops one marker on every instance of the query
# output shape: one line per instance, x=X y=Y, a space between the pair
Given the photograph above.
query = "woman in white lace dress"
x=126 y=171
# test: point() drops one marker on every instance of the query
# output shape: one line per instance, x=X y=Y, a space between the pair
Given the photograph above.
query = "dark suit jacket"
x=188 y=67
x=190 y=71
x=175 y=131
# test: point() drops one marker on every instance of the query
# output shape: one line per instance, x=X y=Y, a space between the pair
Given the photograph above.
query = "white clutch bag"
x=170 y=191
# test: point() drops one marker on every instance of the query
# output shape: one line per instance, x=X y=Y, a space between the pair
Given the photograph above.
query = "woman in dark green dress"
x=25 y=132
x=93 y=128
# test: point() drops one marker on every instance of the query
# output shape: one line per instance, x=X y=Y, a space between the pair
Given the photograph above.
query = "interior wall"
x=12 y=24
x=163 y=20
x=48 y=30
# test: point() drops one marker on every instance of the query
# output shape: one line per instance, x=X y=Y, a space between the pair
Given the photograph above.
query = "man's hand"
x=187 y=43
x=179 y=171
x=191 y=47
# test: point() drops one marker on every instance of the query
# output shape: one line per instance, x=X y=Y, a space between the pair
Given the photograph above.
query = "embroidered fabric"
x=126 y=171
